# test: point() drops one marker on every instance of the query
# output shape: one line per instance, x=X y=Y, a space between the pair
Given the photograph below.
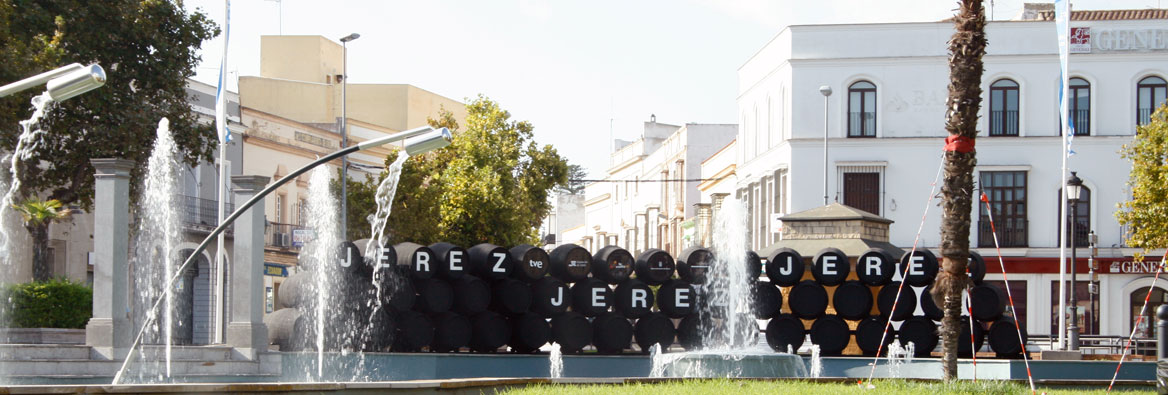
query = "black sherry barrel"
x=434 y=296
x=591 y=297
x=966 y=344
x=381 y=331
x=414 y=331
x=768 y=300
x=531 y=262
x=529 y=332
x=676 y=299
x=976 y=268
x=831 y=333
x=634 y=298
x=922 y=270
x=654 y=328
x=612 y=264
x=399 y=294
x=489 y=331
x=611 y=333
x=550 y=296
x=807 y=300
x=987 y=302
x=922 y=332
x=510 y=297
x=654 y=266
x=693 y=264
x=830 y=266
x=929 y=306
x=350 y=261
x=570 y=262
x=869 y=331
x=1003 y=338
x=451 y=332
x=690 y=332
x=451 y=260
x=415 y=260
x=490 y=261
x=785 y=333
x=572 y=331
x=875 y=267
x=472 y=295
x=852 y=300
x=297 y=290
x=785 y=267
x=904 y=307
x=753 y=266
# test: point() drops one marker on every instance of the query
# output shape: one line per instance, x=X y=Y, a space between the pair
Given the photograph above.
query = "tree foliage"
x=491 y=185
x=37 y=215
x=148 y=48
x=1146 y=214
x=576 y=176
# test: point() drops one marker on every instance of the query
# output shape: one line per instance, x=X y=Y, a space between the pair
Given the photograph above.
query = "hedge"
x=57 y=303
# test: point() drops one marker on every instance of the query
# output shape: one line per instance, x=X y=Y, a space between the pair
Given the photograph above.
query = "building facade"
x=884 y=134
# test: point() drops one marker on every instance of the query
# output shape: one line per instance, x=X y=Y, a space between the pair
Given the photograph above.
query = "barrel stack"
x=486 y=298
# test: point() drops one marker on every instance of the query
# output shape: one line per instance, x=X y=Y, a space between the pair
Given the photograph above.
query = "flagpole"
x=1063 y=27
x=218 y=309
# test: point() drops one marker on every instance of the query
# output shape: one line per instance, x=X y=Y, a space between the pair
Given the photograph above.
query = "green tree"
x=148 y=48
x=491 y=185
x=37 y=215
x=576 y=176
x=966 y=49
x=1146 y=214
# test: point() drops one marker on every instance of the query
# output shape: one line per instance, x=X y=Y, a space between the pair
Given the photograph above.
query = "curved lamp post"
x=417 y=141
x=62 y=83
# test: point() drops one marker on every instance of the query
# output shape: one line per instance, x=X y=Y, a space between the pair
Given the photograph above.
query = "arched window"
x=1150 y=94
x=1080 y=106
x=1147 y=328
x=1082 y=219
x=862 y=109
x=1004 y=108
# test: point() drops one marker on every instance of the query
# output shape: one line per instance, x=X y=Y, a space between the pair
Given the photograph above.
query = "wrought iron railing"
x=1004 y=123
x=862 y=124
x=286 y=236
x=1011 y=232
x=203 y=214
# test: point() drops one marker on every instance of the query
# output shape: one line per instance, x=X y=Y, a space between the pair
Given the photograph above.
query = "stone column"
x=109 y=331
x=245 y=328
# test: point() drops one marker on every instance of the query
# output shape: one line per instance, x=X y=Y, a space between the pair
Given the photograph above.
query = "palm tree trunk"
x=41 y=271
x=966 y=49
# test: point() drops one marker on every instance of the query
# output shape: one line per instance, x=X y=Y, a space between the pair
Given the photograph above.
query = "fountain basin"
x=711 y=365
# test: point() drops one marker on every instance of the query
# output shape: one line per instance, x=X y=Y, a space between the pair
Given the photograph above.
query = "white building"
x=885 y=126
x=648 y=194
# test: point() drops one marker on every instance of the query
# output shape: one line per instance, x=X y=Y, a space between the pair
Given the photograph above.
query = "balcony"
x=278 y=235
x=202 y=215
x=1004 y=123
x=1011 y=232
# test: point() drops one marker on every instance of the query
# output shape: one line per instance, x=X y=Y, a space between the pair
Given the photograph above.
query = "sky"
x=579 y=71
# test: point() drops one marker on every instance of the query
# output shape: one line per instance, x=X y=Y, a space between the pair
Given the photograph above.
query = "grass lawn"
x=740 y=387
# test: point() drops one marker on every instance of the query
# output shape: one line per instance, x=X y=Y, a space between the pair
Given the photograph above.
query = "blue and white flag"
x=1062 y=25
x=221 y=91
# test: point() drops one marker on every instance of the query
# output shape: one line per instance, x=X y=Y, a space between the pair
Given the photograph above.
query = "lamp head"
x=350 y=37
x=427 y=142
x=1074 y=187
x=76 y=82
x=825 y=90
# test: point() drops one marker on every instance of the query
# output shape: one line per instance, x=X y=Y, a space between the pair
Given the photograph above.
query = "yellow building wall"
x=301 y=58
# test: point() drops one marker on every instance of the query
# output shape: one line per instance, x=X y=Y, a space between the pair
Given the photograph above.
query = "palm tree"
x=38 y=214
x=966 y=49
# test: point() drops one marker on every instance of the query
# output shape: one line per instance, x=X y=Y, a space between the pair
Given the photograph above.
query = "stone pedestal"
x=109 y=332
x=245 y=328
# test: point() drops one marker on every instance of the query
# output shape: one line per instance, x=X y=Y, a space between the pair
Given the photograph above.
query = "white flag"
x=221 y=91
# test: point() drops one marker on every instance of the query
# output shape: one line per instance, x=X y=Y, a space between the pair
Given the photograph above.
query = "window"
x=862 y=109
x=302 y=212
x=779 y=206
x=1007 y=194
x=1004 y=108
x=1147 y=328
x=1082 y=220
x=1084 y=312
x=862 y=191
x=1080 y=106
x=1150 y=94
x=280 y=208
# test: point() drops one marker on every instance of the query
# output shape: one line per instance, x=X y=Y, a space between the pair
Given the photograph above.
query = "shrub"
x=56 y=303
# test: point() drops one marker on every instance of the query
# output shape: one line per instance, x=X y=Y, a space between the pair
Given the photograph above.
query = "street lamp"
x=826 y=92
x=1074 y=188
x=345 y=132
x=62 y=83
